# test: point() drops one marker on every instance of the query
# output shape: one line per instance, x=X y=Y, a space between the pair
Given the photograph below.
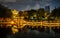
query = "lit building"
x=15 y=13
x=15 y=16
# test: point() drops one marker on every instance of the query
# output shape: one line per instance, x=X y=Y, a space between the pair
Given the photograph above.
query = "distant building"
x=47 y=11
x=47 y=8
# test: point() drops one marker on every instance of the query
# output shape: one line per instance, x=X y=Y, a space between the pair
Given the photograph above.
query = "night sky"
x=30 y=4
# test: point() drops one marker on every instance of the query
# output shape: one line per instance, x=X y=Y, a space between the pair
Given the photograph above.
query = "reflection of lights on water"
x=14 y=29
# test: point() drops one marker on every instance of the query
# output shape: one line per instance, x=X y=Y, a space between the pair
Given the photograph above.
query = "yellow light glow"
x=15 y=11
x=12 y=22
x=14 y=29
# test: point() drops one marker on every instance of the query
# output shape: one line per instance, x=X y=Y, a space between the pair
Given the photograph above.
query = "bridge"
x=21 y=23
x=41 y=24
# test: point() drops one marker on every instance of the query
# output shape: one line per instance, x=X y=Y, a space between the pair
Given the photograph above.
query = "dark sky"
x=30 y=4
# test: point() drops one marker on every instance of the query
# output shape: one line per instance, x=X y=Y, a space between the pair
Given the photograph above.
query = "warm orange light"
x=14 y=29
x=12 y=22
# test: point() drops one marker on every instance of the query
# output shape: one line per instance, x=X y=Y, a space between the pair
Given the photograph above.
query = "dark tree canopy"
x=5 y=12
x=31 y=13
x=41 y=12
x=20 y=13
x=35 y=14
x=56 y=12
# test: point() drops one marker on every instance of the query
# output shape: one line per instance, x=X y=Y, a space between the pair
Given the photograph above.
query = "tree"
x=5 y=12
x=31 y=13
x=41 y=13
x=20 y=13
x=55 y=13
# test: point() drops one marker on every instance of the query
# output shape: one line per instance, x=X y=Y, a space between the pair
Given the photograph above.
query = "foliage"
x=20 y=13
x=5 y=12
x=41 y=12
x=56 y=12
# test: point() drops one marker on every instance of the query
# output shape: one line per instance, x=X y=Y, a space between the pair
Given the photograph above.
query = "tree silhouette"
x=5 y=12
x=31 y=13
x=20 y=13
x=56 y=12
x=41 y=13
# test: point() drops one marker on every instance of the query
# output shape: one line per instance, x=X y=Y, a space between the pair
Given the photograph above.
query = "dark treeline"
x=32 y=14
x=5 y=12
x=41 y=14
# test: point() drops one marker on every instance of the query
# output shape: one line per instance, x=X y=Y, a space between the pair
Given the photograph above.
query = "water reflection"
x=35 y=34
x=29 y=33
